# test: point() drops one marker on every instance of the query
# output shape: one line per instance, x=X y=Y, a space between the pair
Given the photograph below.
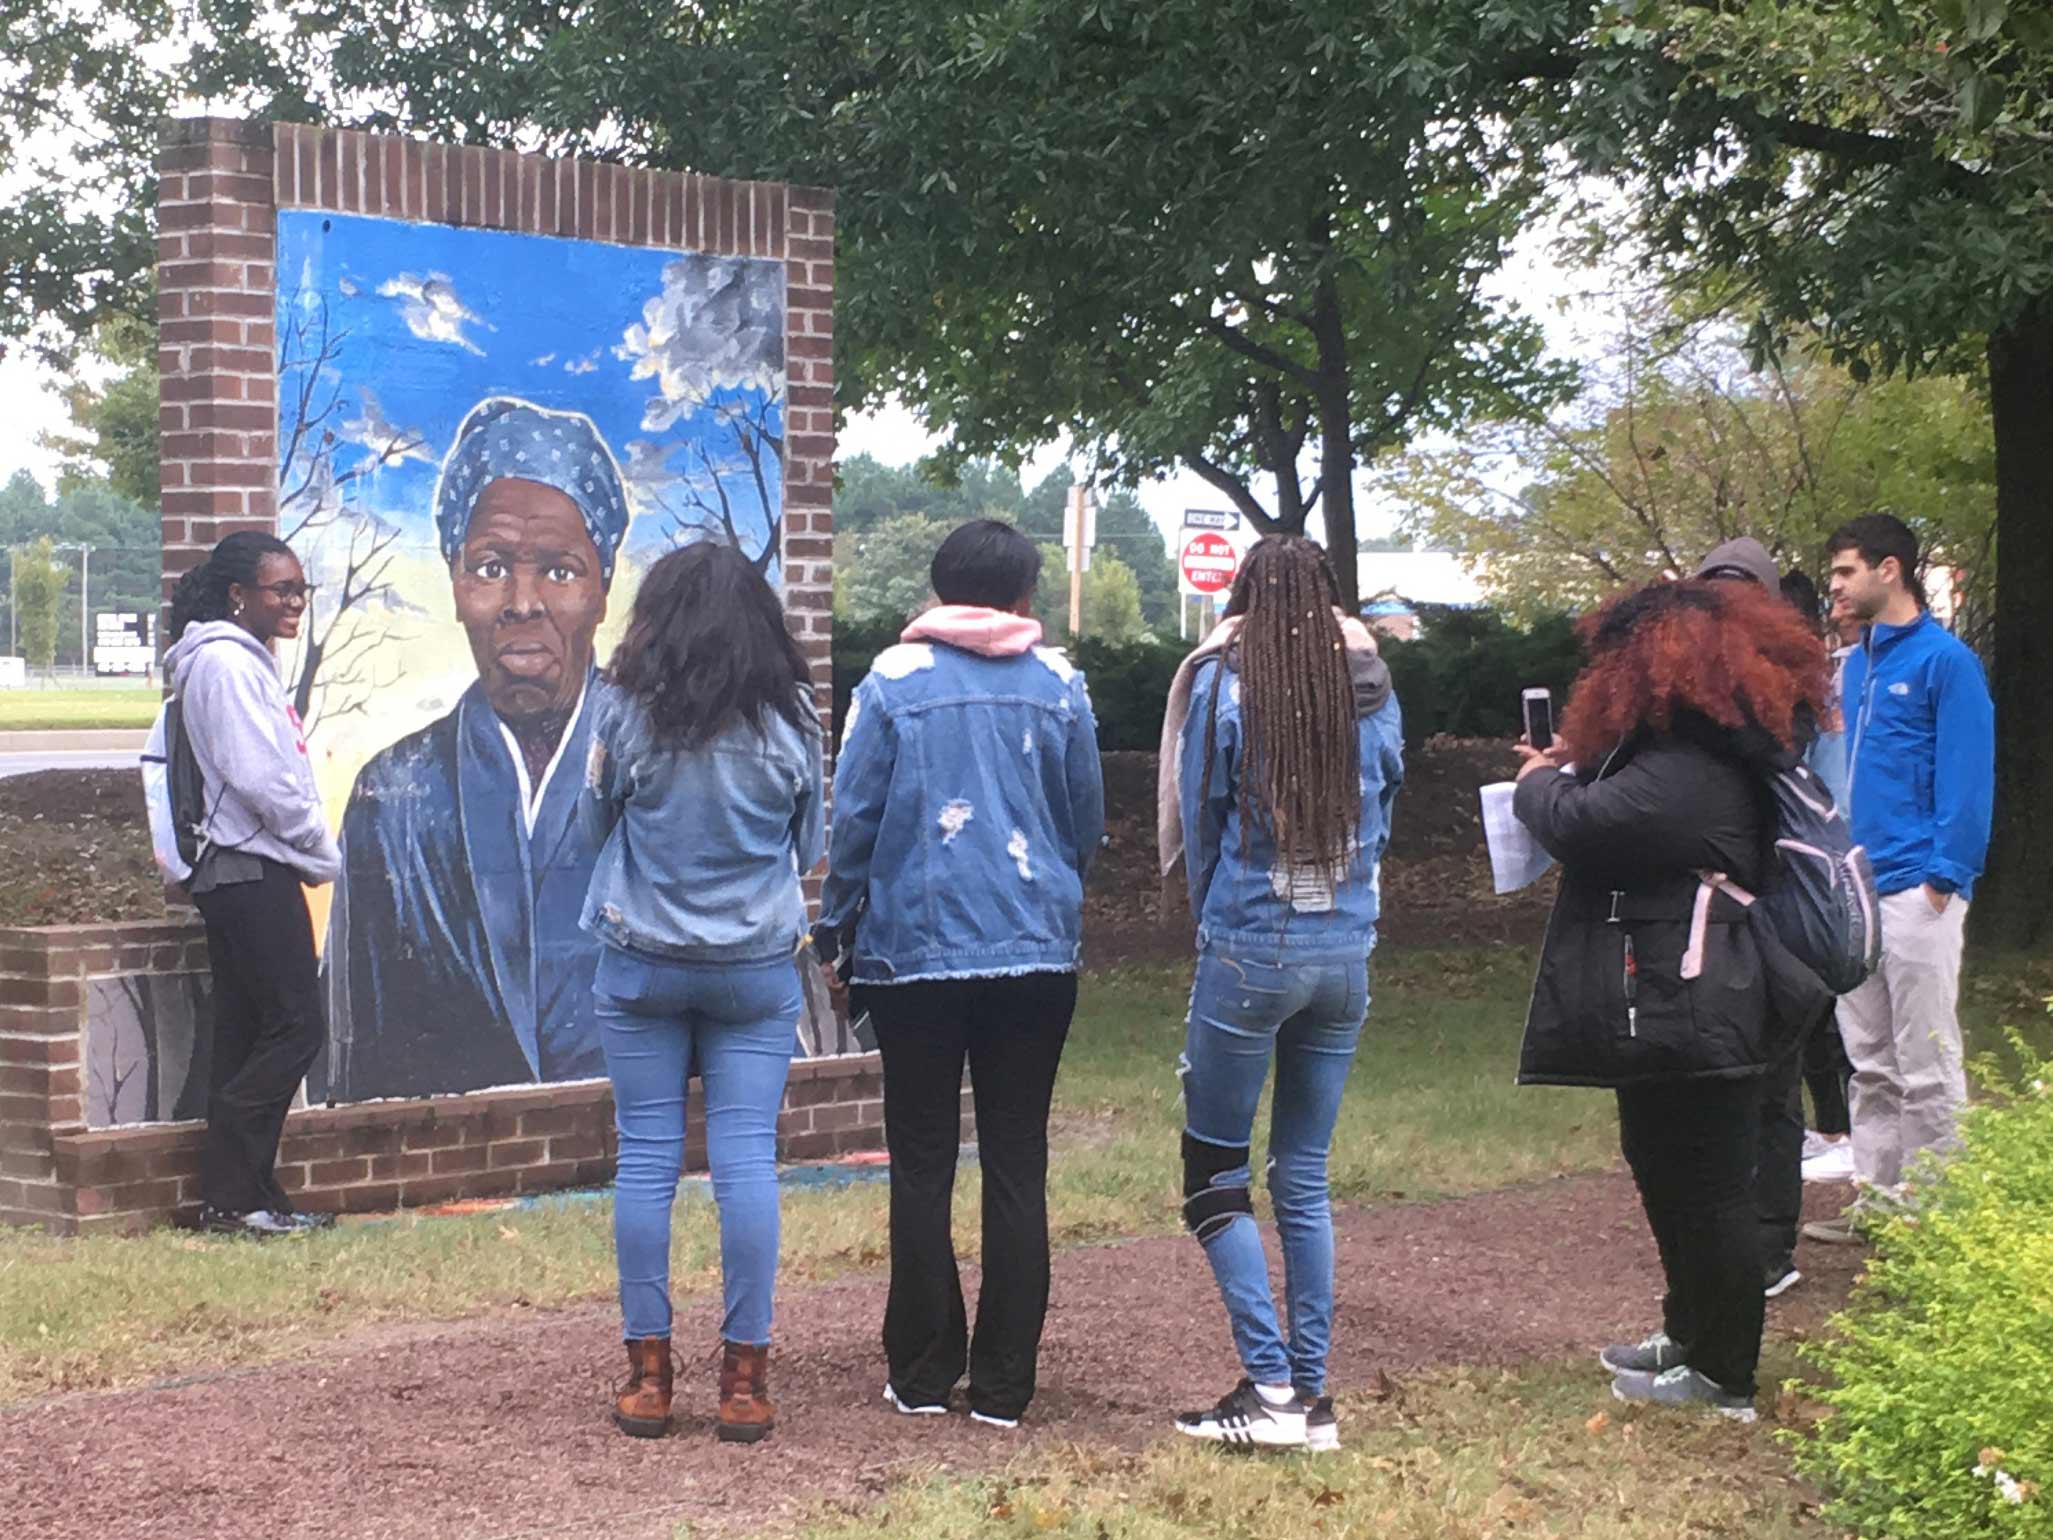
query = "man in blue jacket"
x=1921 y=753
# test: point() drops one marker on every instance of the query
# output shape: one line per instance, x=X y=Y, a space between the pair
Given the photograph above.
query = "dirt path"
x=496 y=1428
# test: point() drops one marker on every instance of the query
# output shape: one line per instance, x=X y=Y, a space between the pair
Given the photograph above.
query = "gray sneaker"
x=1683 y=1387
x=1652 y=1356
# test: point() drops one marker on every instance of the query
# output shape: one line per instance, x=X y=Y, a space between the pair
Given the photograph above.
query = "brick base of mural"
x=101 y=1096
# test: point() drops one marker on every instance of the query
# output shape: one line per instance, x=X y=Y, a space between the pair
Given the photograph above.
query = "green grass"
x=1470 y=1455
x=76 y=710
x=1430 y=1111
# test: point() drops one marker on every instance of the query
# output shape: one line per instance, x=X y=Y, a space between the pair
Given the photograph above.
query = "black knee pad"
x=1208 y=1209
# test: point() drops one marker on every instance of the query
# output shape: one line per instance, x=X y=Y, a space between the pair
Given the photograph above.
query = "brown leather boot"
x=745 y=1410
x=642 y=1409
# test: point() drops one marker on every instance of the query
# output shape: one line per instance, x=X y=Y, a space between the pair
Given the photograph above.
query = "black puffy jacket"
x=1649 y=973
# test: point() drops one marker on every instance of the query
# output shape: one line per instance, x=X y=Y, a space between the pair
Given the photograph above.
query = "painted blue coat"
x=454 y=959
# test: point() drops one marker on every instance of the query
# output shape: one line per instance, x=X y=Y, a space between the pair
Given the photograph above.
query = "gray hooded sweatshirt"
x=261 y=797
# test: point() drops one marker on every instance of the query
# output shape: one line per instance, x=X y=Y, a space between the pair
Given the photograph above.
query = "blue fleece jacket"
x=1921 y=756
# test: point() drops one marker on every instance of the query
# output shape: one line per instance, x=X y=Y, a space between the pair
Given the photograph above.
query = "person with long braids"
x=1651 y=980
x=262 y=838
x=1282 y=757
x=703 y=798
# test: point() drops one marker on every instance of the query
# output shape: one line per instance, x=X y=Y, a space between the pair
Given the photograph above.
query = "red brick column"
x=217 y=343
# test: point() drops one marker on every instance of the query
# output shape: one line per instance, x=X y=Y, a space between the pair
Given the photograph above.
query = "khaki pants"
x=1902 y=1032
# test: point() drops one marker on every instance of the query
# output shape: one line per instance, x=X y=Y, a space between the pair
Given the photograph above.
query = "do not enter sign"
x=1209 y=563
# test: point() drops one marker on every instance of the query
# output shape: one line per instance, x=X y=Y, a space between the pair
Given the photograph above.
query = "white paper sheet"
x=1516 y=858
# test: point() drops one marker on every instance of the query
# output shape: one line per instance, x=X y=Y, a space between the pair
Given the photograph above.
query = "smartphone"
x=1538 y=706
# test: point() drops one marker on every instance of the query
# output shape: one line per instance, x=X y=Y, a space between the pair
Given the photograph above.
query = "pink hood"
x=991 y=633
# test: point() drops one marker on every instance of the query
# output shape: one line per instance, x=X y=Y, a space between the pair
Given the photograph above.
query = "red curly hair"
x=1729 y=651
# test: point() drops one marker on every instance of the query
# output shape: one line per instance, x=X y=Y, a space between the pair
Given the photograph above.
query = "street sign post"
x=1210 y=518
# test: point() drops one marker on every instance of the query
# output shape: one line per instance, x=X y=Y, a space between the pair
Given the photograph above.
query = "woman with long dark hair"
x=1651 y=980
x=703 y=789
x=1283 y=752
x=262 y=837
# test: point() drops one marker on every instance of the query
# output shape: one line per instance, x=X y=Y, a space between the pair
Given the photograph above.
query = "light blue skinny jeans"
x=1308 y=1016
x=739 y=1021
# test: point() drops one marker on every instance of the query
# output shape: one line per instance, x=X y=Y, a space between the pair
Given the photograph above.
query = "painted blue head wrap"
x=503 y=438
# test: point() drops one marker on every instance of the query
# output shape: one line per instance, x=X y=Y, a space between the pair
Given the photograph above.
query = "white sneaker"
x=1245 y=1416
x=1816 y=1144
x=1834 y=1163
x=930 y=1410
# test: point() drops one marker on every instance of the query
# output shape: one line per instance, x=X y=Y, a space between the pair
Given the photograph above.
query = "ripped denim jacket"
x=968 y=806
x=1244 y=902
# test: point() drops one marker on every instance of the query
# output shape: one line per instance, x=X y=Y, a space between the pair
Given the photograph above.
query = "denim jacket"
x=702 y=850
x=1243 y=899
x=968 y=806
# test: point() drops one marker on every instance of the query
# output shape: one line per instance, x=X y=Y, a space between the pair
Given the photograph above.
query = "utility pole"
x=1078 y=532
x=85 y=588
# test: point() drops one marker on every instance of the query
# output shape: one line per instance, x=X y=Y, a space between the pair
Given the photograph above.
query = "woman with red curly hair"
x=1651 y=982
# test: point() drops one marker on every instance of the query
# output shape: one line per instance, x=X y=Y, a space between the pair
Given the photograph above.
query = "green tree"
x=38 y=586
x=1676 y=446
x=1875 y=172
x=114 y=437
x=881 y=571
x=1111 y=598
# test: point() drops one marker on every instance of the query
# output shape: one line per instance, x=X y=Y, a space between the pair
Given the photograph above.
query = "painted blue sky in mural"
x=391 y=332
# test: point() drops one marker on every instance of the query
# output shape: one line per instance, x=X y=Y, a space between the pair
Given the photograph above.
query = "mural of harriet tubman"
x=454 y=959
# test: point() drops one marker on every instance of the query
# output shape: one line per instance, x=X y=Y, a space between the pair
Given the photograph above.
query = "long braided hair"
x=202 y=594
x=1303 y=773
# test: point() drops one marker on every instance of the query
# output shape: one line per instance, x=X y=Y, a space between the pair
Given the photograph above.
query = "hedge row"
x=1463 y=676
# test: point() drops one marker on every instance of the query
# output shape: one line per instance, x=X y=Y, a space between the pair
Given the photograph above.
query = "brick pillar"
x=217 y=337
x=40 y=1012
x=809 y=429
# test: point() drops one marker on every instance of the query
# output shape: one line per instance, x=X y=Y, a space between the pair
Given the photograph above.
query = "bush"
x=1129 y=680
x=1465 y=673
x=1939 y=1375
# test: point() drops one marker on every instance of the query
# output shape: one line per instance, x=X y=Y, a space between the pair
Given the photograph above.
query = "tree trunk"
x=2014 y=906
x=1336 y=443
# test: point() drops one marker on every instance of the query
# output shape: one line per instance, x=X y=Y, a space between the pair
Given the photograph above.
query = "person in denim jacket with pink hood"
x=968 y=806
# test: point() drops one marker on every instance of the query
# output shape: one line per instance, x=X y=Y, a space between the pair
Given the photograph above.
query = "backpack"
x=1820 y=902
x=175 y=794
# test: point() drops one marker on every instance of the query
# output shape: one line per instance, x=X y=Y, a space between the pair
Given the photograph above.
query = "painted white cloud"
x=718 y=324
x=647 y=474
x=432 y=309
x=589 y=364
x=544 y=361
x=388 y=443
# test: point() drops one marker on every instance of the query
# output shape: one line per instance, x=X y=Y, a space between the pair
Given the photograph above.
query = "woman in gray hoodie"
x=262 y=838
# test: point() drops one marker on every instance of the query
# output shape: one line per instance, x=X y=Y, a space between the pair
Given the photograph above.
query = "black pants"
x=1828 y=1071
x=1010 y=1031
x=1691 y=1148
x=267 y=1032
x=1779 y=1153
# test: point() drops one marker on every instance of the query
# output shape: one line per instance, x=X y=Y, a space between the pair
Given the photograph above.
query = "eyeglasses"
x=287 y=592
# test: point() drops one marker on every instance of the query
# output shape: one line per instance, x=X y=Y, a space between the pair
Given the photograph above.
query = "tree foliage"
x=114 y=425
x=1677 y=446
x=38 y=585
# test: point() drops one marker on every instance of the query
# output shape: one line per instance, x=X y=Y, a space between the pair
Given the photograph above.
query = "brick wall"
x=57 y=1172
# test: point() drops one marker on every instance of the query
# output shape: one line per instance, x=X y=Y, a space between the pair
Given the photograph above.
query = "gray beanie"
x=1744 y=558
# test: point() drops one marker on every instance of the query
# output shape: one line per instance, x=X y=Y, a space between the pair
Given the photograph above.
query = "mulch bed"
x=496 y=1428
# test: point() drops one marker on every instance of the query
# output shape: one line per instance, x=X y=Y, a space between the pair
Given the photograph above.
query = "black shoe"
x=1243 y=1417
x=1322 y=1427
x=258 y=1224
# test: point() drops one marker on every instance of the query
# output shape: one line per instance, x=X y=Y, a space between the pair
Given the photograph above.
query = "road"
x=29 y=764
